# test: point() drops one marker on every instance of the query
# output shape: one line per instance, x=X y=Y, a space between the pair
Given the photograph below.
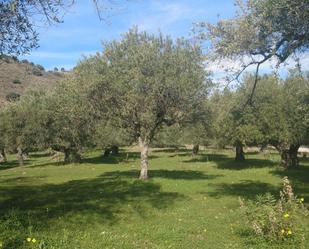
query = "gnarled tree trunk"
x=3 y=158
x=107 y=152
x=195 y=149
x=144 y=147
x=20 y=156
x=289 y=157
x=115 y=150
x=71 y=156
x=240 y=155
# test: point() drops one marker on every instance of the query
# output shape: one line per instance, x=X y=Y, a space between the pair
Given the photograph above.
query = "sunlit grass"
x=187 y=202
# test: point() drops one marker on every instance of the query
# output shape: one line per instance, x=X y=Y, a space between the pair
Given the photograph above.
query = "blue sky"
x=82 y=32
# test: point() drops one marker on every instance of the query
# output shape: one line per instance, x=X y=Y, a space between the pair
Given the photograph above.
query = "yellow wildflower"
x=33 y=240
x=301 y=200
x=29 y=239
x=286 y=216
x=289 y=232
x=282 y=231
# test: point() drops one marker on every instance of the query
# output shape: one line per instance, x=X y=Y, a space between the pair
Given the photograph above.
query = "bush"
x=24 y=61
x=277 y=220
x=16 y=81
x=40 y=67
x=36 y=71
x=12 y=96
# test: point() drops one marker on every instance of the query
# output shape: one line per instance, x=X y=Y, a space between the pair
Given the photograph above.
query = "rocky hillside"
x=16 y=76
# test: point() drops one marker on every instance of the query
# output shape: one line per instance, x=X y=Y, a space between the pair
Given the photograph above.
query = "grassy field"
x=187 y=203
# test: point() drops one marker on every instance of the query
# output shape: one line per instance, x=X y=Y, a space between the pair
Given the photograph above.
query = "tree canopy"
x=260 y=31
x=146 y=81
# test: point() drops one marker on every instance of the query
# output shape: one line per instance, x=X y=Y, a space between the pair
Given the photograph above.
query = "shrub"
x=277 y=220
x=36 y=71
x=25 y=61
x=16 y=81
x=40 y=67
x=12 y=96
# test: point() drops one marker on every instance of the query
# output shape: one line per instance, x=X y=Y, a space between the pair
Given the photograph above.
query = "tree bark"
x=144 y=147
x=115 y=150
x=195 y=149
x=289 y=157
x=240 y=155
x=71 y=156
x=20 y=156
x=107 y=152
x=3 y=158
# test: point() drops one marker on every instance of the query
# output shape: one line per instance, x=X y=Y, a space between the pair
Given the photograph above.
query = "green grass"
x=187 y=202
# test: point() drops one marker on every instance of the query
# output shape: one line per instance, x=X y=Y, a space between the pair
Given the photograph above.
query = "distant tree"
x=282 y=111
x=69 y=123
x=62 y=69
x=3 y=135
x=198 y=131
x=56 y=69
x=40 y=67
x=261 y=30
x=232 y=123
x=25 y=118
x=144 y=82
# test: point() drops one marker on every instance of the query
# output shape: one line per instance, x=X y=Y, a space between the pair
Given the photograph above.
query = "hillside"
x=16 y=76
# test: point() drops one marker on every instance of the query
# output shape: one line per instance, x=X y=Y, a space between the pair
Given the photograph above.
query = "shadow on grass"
x=247 y=189
x=121 y=157
x=247 y=164
x=169 y=174
x=300 y=174
x=21 y=180
x=80 y=200
x=207 y=158
x=224 y=162
x=14 y=163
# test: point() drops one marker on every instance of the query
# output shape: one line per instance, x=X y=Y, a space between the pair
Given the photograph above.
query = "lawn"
x=187 y=202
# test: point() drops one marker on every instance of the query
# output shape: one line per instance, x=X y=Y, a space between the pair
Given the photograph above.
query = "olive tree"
x=69 y=124
x=145 y=81
x=24 y=129
x=3 y=135
x=260 y=31
x=282 y=111
x=233 y=123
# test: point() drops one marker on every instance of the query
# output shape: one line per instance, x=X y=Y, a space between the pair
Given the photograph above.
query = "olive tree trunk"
x=289 y=157
x=144 y=147
x=3 y=158
x=71 y=156
x=240 y=155
x=107 y=152
x=20 y=156
x=115 y=150
x=195 y=149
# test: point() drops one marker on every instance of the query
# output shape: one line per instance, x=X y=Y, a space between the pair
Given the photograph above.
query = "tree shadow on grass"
x=14 y=163
x=168 y=174
x=103 y=198
x=247 y=164
x=247 y=189
x=115 y=159
x=207 y=158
